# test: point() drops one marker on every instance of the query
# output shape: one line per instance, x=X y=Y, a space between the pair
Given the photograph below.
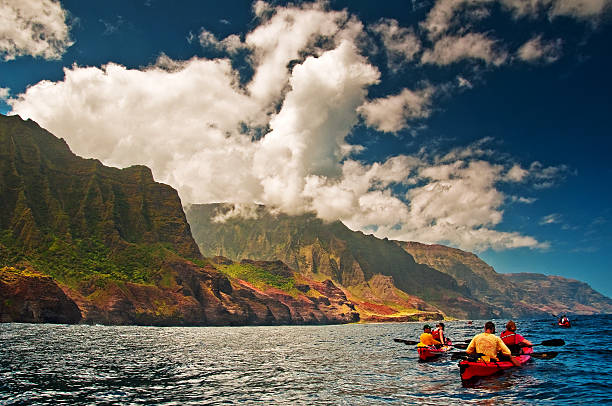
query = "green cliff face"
x=82 y=242
x=76 y=218
x=381 y=277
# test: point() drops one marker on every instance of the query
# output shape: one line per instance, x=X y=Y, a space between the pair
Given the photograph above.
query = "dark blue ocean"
x=357 y=364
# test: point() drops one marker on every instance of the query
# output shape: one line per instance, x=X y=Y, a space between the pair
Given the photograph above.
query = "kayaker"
x=512 y=339
x=488 y=344
x=438 y=333
x=426 y=338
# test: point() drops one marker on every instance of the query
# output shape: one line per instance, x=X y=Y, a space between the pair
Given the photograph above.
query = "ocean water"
x=357 y=364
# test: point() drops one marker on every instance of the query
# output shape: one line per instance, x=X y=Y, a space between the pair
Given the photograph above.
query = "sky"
x=482 y=124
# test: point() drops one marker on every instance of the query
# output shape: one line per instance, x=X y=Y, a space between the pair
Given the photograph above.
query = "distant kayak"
x=473 y=369
x=564 y=325
x=431 y=352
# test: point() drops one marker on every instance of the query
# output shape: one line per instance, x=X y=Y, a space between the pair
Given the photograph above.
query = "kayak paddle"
x=407 y=342
x=539 y=355
x=464 y=355
x=458 y=355
x=556 y=342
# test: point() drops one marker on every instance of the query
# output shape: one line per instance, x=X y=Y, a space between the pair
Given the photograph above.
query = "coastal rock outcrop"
x=29 y=297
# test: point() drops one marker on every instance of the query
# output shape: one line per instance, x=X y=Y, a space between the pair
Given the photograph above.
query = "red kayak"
x=431 y=351
x=565 y=325
x=472 y=369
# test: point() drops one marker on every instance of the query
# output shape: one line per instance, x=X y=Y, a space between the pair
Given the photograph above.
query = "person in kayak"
x=489 y=345
x=426 y=338
x=438 y=333
x=512 y=339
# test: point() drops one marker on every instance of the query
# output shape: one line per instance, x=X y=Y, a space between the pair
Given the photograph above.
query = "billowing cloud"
x=308 y=134
x=516 y=174
x=457 y=202
x=33 y=27
x=230 y=44
x=180 y=120
x=282 y=138
x=400 y=43
x=451 y=49
x=280 y=39
x=392 y=113
x=537 y=50
x=4 y=93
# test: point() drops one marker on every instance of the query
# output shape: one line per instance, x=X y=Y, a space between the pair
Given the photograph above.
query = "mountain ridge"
x=476 y=291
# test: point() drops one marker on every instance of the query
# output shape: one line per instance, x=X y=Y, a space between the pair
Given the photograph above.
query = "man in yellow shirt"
x=488 y=344
x=426 y=338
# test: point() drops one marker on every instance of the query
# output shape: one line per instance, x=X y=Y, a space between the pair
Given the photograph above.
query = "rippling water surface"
x=351 y=364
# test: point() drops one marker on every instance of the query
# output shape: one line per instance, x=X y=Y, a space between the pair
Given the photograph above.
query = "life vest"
x=436 y=335
x=509 y=338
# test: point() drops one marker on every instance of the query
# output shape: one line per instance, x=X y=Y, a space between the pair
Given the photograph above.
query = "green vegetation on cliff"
x=322 y=250
x=75 y=218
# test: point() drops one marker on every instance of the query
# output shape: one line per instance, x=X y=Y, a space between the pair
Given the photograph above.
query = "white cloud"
x=442 y=18
x=242 y=211
x=463 y=82
x=525 y=8
x=581 y=9
x=524 y=200
x=554 y=218
x=451 y=49
x=547 y=177
x=4 y=93
x=456 y=202
x=400 y=43
x=180 y=120
x=588 y=10
x=279 y=40
x=33 y=27
x=448 y=16
x=392 y=113
x=516 y=174
x=537 y=50
x=230 y=44
x=308 y=133
x=192 y=123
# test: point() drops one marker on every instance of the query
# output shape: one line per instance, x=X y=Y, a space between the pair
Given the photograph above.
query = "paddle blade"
x=465 y=355
x=460 y=346
x=459 y=355
x=407 y=342
x=544 y=355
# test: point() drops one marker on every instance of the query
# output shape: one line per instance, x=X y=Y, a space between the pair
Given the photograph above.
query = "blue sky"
x=478 y=124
